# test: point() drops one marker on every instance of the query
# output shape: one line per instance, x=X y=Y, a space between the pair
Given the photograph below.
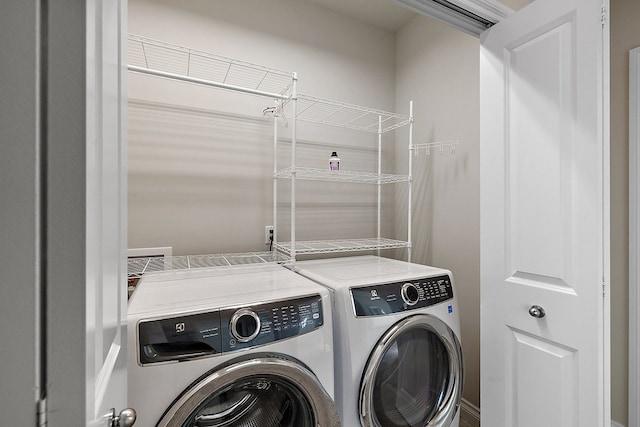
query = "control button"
x=410 y=294
x=245 y=325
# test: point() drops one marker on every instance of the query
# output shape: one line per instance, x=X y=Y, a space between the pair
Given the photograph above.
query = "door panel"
x=105 y=210
x=84 y=223
x=539 y=71
x=537 y=362
x=544 y=209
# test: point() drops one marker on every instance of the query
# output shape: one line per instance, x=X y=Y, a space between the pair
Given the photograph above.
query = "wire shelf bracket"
x=438 y=145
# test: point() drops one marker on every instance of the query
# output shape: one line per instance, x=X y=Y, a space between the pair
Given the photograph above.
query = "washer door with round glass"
x=265 y=391
x=413 y=377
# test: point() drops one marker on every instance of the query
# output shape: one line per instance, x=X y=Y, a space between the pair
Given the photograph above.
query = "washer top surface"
x=193 y=290
x=338 y=273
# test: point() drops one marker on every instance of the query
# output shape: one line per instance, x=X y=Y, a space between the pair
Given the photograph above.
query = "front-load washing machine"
x=397 y=346
x=237 y=346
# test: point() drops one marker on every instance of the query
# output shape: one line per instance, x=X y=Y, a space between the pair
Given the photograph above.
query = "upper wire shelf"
x=340 y=114
x=176 y=62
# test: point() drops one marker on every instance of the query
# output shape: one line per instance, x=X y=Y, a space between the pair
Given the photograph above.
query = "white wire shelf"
x=312 y=174
x=175 y=62
x=343 y=245
x=340 y=114
x=137 y=267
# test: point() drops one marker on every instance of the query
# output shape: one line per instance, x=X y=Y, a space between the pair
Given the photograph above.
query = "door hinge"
x=603 y=15
x=42 y=412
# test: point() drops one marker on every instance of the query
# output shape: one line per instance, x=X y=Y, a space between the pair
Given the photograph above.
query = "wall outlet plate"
x=268 y=234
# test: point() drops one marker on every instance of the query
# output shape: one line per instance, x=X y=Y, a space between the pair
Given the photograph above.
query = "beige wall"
x=625 y=35
x=200 y=159
x=438 y=68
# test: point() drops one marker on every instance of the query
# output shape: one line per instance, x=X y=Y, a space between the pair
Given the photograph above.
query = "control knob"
x=410 y=294
x=245 y=325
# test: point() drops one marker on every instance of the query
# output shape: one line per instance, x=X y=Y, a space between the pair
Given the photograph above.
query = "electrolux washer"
x=397 y=346
x=237 y=346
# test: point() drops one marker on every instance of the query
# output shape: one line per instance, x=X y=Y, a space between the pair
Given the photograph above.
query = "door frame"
x=634 y=236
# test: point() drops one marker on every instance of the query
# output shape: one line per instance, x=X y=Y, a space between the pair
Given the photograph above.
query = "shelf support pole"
x=379 y=178
x=409 y=196
x=275 y=180
x=294 y=100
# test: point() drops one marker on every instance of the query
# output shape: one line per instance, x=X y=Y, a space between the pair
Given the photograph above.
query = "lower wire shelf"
x=342 y=245
x=136 y=267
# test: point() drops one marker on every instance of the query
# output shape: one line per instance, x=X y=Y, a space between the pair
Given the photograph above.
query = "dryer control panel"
x=206 y=334
x=398 y=297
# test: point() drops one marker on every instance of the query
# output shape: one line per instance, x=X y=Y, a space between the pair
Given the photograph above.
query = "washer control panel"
x=397 y=297
x=206 y=334
x=265 y=323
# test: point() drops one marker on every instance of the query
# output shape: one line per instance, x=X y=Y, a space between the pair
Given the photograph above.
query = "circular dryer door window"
x=264 y=391
x=414 y=376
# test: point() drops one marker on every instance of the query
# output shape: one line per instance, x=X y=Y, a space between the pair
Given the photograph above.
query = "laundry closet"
x=201 y=159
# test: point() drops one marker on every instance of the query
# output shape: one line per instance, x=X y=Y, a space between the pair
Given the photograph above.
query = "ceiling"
x=381 y=13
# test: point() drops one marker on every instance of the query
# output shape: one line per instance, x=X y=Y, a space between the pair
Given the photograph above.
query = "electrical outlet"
x=268 y=234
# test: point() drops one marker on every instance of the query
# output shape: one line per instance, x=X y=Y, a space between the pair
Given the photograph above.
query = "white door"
x=63 y=213
x=85 y=212
x=545 y=217
x=106 y=233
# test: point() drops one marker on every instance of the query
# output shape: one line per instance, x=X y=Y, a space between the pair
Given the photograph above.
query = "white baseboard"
x=470 y=413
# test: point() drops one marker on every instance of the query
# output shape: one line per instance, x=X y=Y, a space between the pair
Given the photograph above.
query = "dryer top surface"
x=339 y=273
x=194 y=290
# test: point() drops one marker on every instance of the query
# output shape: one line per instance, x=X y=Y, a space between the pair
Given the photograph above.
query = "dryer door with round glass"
x=413 y=377
x=264 y=390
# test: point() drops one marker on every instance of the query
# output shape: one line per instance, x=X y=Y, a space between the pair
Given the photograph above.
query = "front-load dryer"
x=237 y=346
x=397 y=346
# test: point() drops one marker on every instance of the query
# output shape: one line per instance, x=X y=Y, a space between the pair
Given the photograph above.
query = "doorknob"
x=126 y=418
x=537 y=311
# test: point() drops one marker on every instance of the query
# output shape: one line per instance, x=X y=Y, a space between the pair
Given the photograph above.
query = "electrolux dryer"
x=237 y=346
x=397 y=347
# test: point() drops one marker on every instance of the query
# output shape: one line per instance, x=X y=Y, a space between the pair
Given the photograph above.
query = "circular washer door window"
x=254 y=401
x=260 y=391
x=414 y=376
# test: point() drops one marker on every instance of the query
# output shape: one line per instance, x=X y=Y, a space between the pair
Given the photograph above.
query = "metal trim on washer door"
x=321 y=403
x=445 y=415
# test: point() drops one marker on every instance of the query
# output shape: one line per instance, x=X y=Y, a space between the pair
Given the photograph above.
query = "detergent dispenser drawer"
x=179 y=338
